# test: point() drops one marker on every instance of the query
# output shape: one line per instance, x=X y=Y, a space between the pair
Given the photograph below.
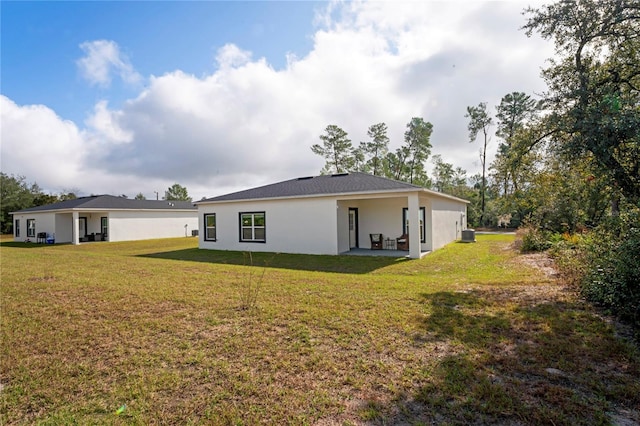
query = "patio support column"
x=413 y=204
x=75 y=230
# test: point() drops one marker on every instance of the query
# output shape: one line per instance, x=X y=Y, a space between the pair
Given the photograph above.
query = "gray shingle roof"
x=343 y=183
x=109 y=202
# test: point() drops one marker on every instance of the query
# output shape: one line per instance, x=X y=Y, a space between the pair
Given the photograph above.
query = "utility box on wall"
x=469 y=236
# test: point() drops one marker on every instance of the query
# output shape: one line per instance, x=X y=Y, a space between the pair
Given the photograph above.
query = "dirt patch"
x=540 y=261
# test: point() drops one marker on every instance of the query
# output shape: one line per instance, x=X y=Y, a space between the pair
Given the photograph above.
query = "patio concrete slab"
x=381 y=253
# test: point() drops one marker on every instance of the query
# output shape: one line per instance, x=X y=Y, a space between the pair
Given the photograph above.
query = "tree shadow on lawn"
x=501 y=357
x=302 y=262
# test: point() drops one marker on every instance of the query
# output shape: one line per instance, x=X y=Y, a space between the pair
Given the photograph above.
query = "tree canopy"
x=407 y=163
x=177 y=192
x=593 y=93
x=337 y=149
x=17 y=194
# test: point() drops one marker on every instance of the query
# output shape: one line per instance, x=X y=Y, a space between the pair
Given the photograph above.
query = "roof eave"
x=333 y=194
x=98 y=209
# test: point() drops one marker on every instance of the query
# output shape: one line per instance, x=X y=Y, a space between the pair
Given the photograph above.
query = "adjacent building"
x=105 y=218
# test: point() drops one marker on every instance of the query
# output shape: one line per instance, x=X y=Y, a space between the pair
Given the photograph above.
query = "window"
x=252 y=227
x=210 y=227
x=17 y=228
x=104 y=227
x=405 y=223
x=31 y=228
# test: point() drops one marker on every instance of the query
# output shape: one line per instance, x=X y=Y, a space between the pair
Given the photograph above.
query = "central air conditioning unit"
x=469 y=236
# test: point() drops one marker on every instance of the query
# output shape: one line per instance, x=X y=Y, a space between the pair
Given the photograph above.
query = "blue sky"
x=41 y=42
x=128 y=97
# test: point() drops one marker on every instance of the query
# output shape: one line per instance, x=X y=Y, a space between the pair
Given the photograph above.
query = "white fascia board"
x=383 y=194
x=92 y=209
x=447 y=196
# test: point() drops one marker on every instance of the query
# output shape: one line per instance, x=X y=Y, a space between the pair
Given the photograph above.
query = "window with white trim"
x=31 y=228
x=253 y=227
x=210 y=227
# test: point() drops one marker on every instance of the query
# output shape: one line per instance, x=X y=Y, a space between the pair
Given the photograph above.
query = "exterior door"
x=82 y=227
x=353 y=227
x=104 y=227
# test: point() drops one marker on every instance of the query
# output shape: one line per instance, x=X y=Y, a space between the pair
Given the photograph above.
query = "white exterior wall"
x=292 y=226
x=342 y=225
x=64 y=228
x=135 y=225
x=448 y=220
x=321 y=225
x=45 y=222
x=123 y=225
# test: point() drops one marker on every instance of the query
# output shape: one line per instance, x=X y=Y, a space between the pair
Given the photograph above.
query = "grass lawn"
x=159 y=332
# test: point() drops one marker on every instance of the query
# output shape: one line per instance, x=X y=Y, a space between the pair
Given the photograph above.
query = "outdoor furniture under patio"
x=389 y=244
x=402 y=242
x=376 y=241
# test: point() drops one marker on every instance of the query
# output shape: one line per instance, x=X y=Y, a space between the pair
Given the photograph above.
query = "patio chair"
x=376 y=241
x=402 y=242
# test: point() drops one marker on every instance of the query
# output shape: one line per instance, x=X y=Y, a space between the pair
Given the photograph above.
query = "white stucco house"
x=331 y=214
x=105 y=218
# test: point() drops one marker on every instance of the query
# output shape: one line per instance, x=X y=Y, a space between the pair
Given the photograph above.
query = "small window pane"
x=259 y=233
x=211 y=233
x=247 y=220
x=247 y=234
x=31 y=228
x=210 y=227
x=259 y=220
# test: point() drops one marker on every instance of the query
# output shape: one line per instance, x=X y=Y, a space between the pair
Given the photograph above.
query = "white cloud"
x=103 y=59
x=103 y=125
x=247 y=124
x=231 y=55
x=38 y=144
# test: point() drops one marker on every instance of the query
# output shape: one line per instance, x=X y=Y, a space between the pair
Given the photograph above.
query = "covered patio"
x=391 y=216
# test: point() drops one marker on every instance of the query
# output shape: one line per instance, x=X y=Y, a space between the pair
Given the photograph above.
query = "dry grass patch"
x=469 y=334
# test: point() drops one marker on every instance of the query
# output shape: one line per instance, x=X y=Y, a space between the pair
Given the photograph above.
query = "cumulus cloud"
x=103 y=125
x=103 y=59
x=231 y=55
x=246 y=124
x=38 y=144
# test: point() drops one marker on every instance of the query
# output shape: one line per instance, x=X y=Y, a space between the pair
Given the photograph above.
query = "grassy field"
x=159 y=332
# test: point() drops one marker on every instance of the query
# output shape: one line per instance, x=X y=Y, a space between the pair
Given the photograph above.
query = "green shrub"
x=570 y=256
x=604 y=263
x=534 y=239
x=612 y=277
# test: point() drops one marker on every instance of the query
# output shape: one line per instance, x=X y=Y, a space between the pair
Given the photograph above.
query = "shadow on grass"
x=31 y=245
x=301 y=262
x=504 y=358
